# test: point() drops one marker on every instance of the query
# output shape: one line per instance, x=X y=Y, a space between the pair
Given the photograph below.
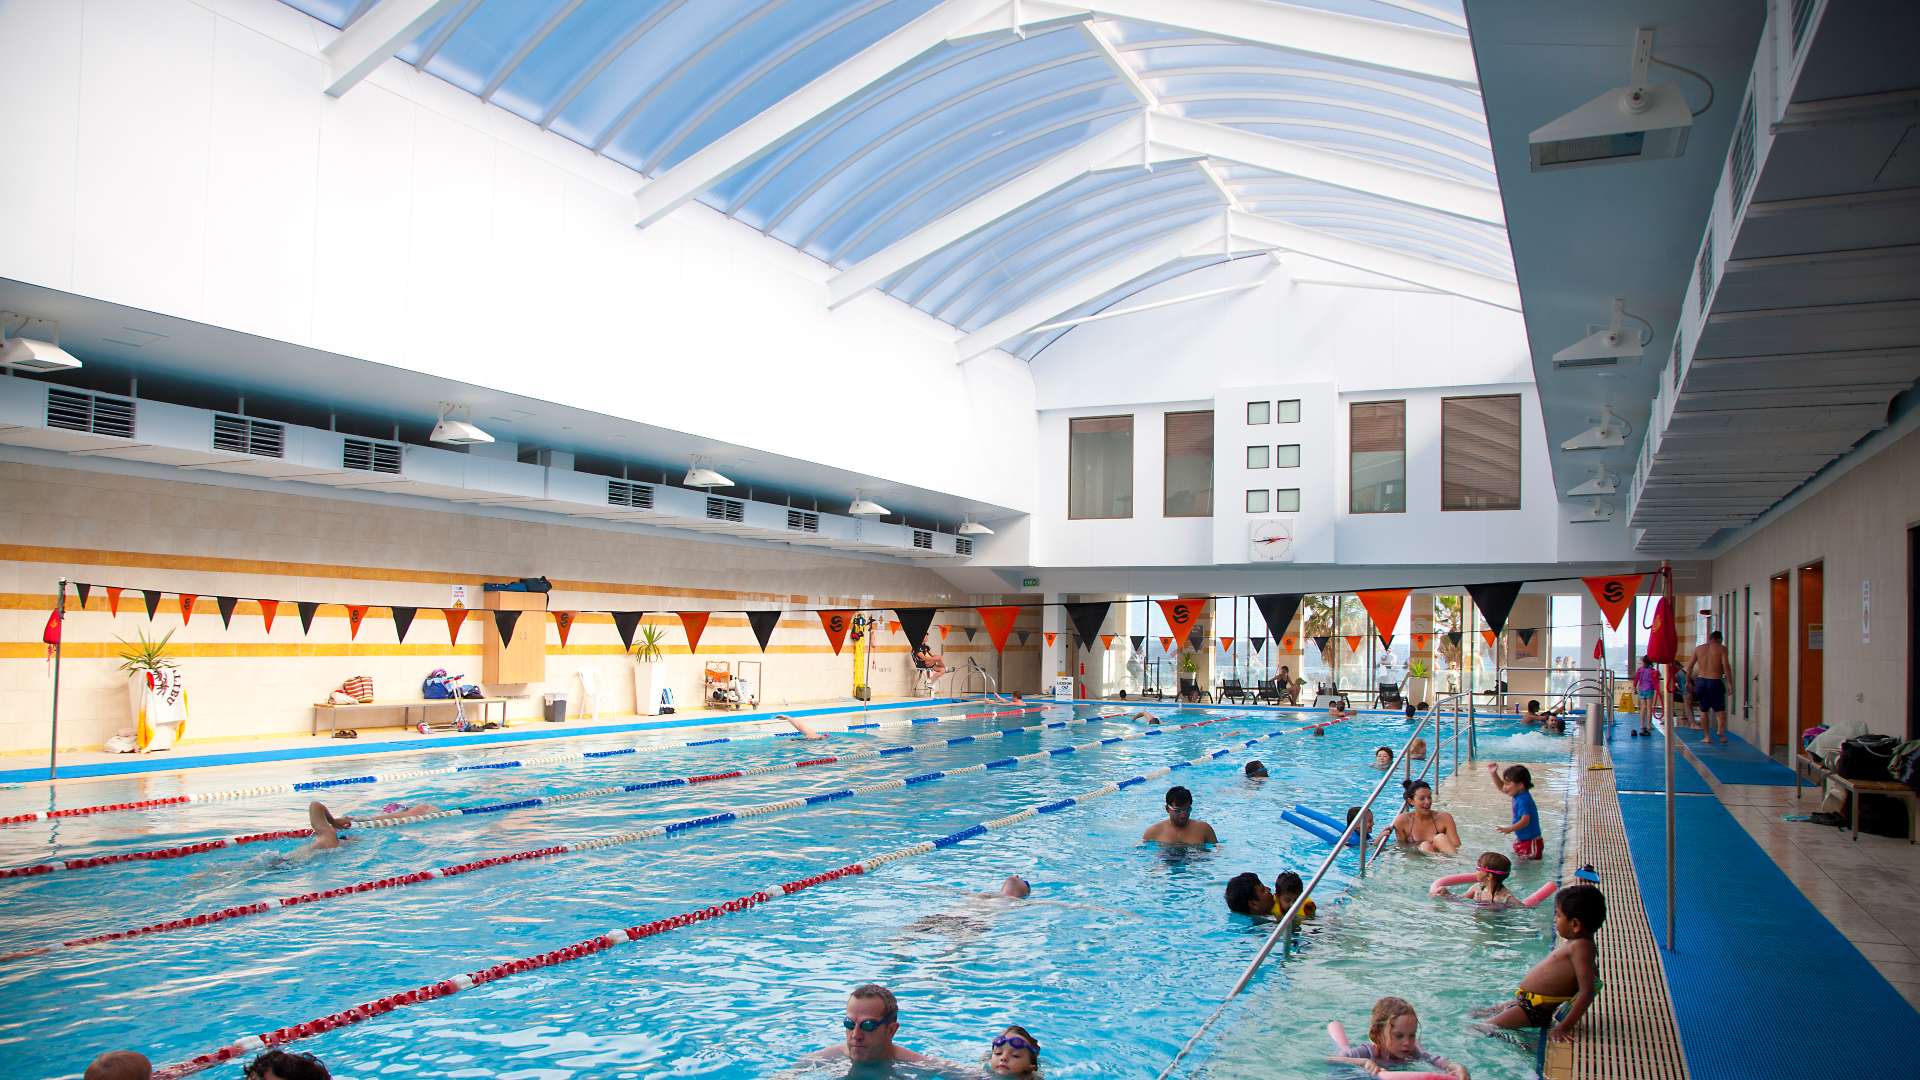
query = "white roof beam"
x=375 y=36
x=1208 y=236
x=1255 y=230
x=1180 y=136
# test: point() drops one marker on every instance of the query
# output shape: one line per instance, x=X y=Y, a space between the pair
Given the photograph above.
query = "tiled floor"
x=1869 y=890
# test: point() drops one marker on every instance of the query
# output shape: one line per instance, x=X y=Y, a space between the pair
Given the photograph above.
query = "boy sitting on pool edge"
x=1569 y=974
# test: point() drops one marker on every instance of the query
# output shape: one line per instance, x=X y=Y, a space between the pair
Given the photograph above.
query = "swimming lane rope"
x=596 y=843
x=548 y=758
x=625 y=935
x=201 y=847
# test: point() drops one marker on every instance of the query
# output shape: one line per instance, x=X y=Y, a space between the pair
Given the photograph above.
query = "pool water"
x=1119 y=954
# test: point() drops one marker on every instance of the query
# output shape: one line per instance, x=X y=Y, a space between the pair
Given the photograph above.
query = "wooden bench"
x=1806 y=765
x=406 y=707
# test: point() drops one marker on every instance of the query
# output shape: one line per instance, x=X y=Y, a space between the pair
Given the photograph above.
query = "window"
x=1377 y=440
x=1100 y=467
x=1287 y=456
x=1189 y=468
x=1289 y=412
x=1257 y=457
x=1287 y=501
x=1480 y=453
x=1257 y=501
x=1259 y=412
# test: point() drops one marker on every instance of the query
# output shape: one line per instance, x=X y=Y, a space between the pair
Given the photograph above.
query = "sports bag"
x=439 y=686
x=1867 y=757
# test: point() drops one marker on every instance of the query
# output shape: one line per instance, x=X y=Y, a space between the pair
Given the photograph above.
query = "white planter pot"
x=163 y=718
x=648 y=680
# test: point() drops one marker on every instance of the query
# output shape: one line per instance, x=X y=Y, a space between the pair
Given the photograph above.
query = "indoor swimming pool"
x=1114 y=960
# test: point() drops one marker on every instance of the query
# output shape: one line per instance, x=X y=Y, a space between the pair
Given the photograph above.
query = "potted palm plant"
x=156 y=692
x=1418 y=673
x=649 y=669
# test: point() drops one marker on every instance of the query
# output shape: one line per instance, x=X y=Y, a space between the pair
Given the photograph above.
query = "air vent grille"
x=923 y=539
x=626 y=493
x=1741 y=158
x=245 y=435
x=728 y=510
x=368 y=455
x=96 y=414
x=804 y=521
x=1704 y=271
x=962 y=546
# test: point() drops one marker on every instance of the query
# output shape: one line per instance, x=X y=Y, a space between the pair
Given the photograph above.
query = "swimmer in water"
x=805 y=731
x=1490 y=881
x=1255 y=770
x=1147 y=716
x=1181 y=827
x=1423 y=828
x=326 y=827
x=872 y=1020
x=1015 y=1052
x=1383 y=758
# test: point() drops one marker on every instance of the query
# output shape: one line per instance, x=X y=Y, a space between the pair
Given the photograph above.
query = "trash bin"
x=556 y=708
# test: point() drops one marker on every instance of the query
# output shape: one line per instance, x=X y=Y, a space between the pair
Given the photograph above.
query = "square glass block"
x=1257 y=457
x=1259 y=412
x=1286 y=501
x=1257 y=500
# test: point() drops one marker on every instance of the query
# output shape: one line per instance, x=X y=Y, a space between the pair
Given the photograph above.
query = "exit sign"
x=1030 y=583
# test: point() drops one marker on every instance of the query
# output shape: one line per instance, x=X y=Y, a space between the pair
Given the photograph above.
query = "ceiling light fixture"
x=1599 y=482
x=1608 y=431
x=456 y=432
x=698 y=475
x=40 y=355
x=1607 y=346
x=1635 y=122
x=1596 y=513
x=970 y=527
x=865 y=507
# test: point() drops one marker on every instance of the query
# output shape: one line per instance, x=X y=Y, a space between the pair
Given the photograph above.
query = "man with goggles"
x=872 y=1020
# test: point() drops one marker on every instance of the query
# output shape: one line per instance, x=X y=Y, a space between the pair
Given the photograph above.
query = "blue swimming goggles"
x=1017 y=1043
x=864 y=1025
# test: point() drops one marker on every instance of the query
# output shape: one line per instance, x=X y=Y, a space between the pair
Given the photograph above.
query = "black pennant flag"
x=1453 y=638
x=763 y=623
x=83 y=589
x=1495 y=601
x=505 y=621
x=152 y=597
x=306 y=615
x=1278 y=609
x=1022 y=635
x=971 y=630
x=1259 y=645
x=1139 y=641
x=1196 y=641
x=1526 y=636
x=627 y=622
x=402 y=620
x=1087 y=620
x=1320 y=641
x=914 y=622
x=226 y=605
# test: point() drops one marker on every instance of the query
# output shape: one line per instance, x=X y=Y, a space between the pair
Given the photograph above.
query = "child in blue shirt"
x=1516 y=781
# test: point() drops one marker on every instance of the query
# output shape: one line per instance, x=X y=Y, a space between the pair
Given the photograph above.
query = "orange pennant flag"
x=1286 y=643
x=1489 y=636
x=944 y=628
x=1354 y=641
x=1614 y=594
x=1420 y=642
x=893 y=627
x=1384 y=606
x=1183 y=615
x=1166 y=643
x=999 y=623
x=563 y=621
x=113 y=599
x=1050 y=635
x=186 y=607
x=837 y=623
x=695 y=624
x=268 y=608
x=455 y=616
x=1226 y=644
x=1106 y=640
x=355 y=613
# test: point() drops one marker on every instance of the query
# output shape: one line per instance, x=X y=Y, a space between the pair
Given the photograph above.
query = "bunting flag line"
x=1613 y=594
x=1384 y=607
x=268 y=609
x=1490 y=637
x=1196 y=641
x=999 y=622
x=355 y=613
x=944 y=629
x=307 y=610
x=1183 y=616
x=503 y=623
x=457 y=615
x=1526 y=636
x=763 y=623
x=1050 y=635
x=1139 y=642
x=695 y=624
x=1321 y=641
x=836 y=624
x=562 y=621
x=1278 y=609
x=1166 y=645
x=1354 y=641
x=971 y=630
x=1087 y=620
x=152 y=598
x=226 y=604
x=1454 y=638
x=1495 y=601
x=81 y=589
x=1022 y=635
x=403 y=622
x=1259 y=645
x=113 y=599
x=893 y=626
x=626 y=622
x=1226 y=644
x=1106 y=640
x=1287 y=644
x=1421 y=641
x=186 y=607
x=914 y=622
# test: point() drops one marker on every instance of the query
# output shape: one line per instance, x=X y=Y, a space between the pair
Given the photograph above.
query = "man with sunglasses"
x=1181 y=827
x=872 y=1020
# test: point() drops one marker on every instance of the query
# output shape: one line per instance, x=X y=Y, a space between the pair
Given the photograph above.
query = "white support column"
x=374 y=37
x=1053 y=658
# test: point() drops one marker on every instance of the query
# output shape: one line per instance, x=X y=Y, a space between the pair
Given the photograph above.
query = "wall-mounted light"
x=698 y=475
x=865 y=507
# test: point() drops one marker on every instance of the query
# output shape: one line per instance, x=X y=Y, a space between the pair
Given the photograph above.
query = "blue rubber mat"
x=1763 y=985
x=1640 y=765
x=1738 y=762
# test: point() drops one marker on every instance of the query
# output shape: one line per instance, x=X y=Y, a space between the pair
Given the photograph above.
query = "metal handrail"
x=1293 y=912
x=988 y=686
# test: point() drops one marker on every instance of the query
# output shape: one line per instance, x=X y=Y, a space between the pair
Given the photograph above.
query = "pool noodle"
x=1442 y=884
x=1339 y=827
x=1311 y=826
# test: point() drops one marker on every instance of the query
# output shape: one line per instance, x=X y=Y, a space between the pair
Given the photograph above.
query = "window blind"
x=1480 y=453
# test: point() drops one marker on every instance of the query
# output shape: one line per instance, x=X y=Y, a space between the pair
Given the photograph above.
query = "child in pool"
x=1517 y=782
x=1392 y=1039
x=1015 y=1053
x=1569 y=974
x=1490 y=887
x=1286 y=889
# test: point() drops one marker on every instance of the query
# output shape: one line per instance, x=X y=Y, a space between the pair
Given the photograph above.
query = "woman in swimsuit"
x=1423 y=827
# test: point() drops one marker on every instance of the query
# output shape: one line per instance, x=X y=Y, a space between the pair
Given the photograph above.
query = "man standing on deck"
x=1707 y=676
